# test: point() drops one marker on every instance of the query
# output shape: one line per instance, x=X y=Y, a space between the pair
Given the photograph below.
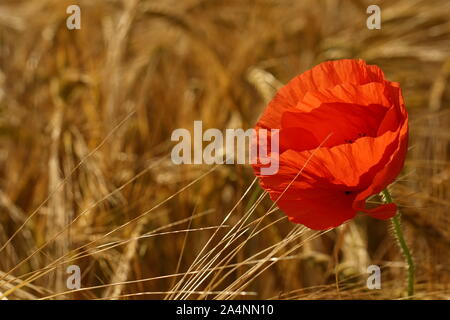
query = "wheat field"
x=86 y=177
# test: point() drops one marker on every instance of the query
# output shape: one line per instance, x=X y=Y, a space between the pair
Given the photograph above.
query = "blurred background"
x=85 y=172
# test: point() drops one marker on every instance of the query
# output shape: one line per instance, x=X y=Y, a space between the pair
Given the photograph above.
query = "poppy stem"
x=396 y=222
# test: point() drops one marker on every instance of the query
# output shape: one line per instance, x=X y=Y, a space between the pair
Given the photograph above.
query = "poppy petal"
x=373 y=93
x=342 y=120
x=385 y=172
x=325 y=75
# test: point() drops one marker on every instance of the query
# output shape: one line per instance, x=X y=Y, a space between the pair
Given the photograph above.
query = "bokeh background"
x=85 y=172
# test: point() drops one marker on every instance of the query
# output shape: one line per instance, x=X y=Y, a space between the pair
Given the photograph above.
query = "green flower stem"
x=396 y=222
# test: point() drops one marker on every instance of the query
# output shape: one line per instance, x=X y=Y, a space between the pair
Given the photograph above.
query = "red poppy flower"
x=343 y=135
